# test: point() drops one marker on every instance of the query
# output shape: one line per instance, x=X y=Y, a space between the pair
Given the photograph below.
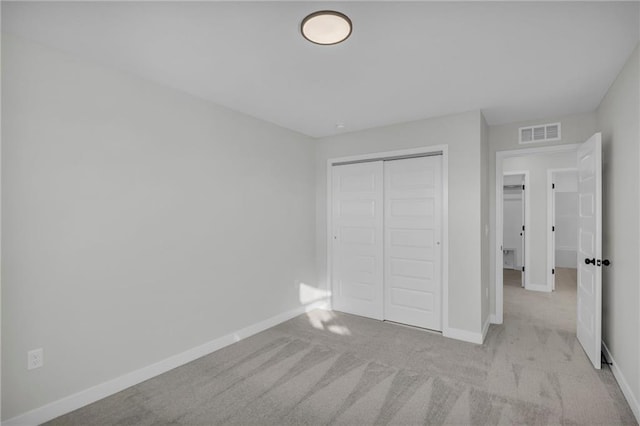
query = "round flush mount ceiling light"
x=326 y=27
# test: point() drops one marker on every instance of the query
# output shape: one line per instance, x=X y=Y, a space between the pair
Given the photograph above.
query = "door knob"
x=592 y=261
x=606 y=262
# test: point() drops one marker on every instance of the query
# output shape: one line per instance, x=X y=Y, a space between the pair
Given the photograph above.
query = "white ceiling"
x=404 y=61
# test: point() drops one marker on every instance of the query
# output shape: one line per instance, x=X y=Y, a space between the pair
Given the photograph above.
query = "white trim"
x=622 y=382
x=500 y=156
x=445 y=236
x=103 y=390
x=374 y=156
x=464 y=335
x=551 y=237
x=485 y=328
x=493 y=319
x=444 y=149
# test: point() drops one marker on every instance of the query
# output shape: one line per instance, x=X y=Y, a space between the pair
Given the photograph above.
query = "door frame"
x=377 y=156
x=527 y=226
x=497 y=266
x=551 y=221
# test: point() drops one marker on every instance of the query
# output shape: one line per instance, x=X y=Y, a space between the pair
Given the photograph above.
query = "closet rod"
x=397 y=157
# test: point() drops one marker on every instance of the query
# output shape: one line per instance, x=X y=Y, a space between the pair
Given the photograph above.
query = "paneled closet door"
x=357 y=220
x=412 y=241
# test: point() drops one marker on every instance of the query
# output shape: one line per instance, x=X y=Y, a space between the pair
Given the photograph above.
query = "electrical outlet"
x=35 y=359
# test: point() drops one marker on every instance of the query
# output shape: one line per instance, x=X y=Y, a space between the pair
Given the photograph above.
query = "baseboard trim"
x=626 y=390
x=485 y=328
x=464 y=335
x=103 y=390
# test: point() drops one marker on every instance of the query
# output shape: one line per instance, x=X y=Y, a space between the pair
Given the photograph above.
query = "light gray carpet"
x=326 y=368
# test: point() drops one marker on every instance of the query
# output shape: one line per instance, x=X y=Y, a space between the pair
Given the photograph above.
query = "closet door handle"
x=592 y=261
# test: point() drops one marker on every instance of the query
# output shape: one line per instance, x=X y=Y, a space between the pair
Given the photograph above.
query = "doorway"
x=515 y=161
x=514 y=228
x=587 y=294
x=562 y=202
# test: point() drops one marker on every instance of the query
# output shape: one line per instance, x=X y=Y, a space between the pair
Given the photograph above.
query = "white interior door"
x=412 y=245
x=523 y=236
x=552 y=252
x=357 y=219
x=589 y=320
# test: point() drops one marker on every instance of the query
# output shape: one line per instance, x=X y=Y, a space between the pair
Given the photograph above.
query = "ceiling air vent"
x=542 y=133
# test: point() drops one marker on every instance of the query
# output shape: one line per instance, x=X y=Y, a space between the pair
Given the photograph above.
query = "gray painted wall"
x=138 y=222
x=619 y=120
x=462 y=133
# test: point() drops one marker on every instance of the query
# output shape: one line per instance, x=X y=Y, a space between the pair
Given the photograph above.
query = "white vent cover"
x=541 y=133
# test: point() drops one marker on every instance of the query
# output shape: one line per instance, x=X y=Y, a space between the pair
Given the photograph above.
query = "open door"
x=589 y=310
x=523 y=235
x=552 y=235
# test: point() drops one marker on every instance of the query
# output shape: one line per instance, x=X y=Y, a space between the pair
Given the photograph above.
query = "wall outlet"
x=35 y=359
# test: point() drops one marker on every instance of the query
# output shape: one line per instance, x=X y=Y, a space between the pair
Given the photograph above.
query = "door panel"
x=523 y=236
x=413 y=206
x=357 y=219
x=589 y=310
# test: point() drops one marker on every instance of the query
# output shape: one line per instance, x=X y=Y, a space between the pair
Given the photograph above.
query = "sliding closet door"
x=357 y=218
x=413 y=222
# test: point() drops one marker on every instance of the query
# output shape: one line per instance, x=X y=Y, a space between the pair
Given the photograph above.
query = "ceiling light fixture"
x=326 y=27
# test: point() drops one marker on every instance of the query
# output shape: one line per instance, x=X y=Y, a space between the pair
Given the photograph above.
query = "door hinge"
x=523 y=227
x=553 y=271
x=523 y=187
x=523 y=269
x=553 y=186
x=553 y=229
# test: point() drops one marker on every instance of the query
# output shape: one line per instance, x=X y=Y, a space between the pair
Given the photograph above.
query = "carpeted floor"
x=326 y=368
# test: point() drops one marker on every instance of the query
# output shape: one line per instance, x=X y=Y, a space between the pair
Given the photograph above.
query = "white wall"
x=512 y=227
x=575 y=129
x=512 y=205
x=536 y=237
x=619 y=119
x=566 y=219
x=138 y=222
x=566 y=181
x=462 y=132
